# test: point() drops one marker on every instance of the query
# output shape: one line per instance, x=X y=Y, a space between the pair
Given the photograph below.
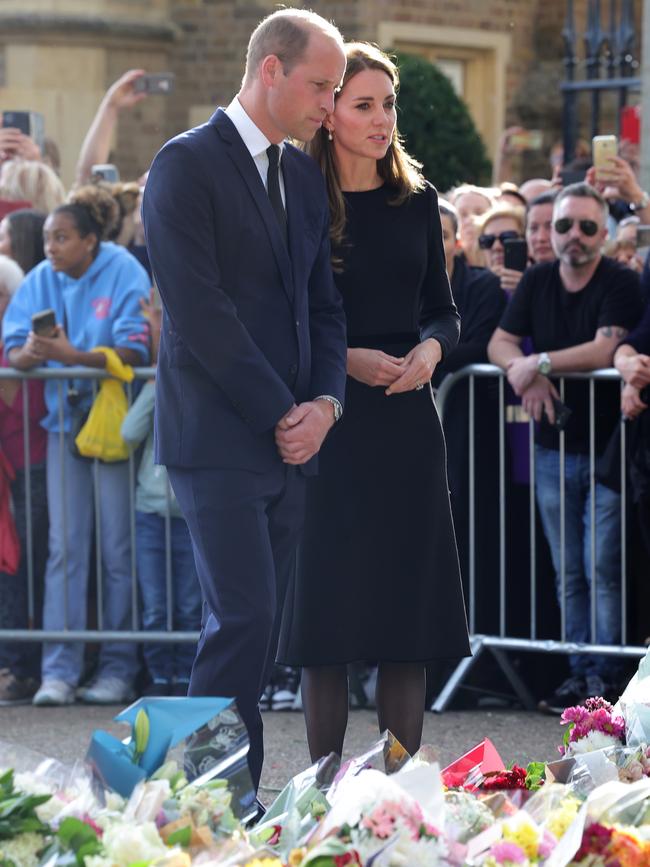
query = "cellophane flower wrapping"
x=383 y=823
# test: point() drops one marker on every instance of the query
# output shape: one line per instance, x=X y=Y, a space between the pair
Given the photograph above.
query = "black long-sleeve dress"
x=377 y=575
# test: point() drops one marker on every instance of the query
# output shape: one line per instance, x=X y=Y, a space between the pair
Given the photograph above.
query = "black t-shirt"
x=542 y=309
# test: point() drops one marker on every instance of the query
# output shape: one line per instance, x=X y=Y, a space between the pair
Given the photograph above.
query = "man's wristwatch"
x=643 y=202
x=544 y=365
x=338 y=409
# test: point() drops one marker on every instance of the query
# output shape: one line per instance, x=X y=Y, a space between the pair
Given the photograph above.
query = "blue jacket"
x=101 y=308
x=249 y=327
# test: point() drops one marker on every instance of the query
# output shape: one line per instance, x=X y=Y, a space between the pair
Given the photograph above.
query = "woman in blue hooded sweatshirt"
x=95 y=289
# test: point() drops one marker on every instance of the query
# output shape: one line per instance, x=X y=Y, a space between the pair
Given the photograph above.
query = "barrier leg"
x=458 y=676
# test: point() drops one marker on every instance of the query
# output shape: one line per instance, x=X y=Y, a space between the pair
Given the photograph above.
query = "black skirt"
x=377 y=573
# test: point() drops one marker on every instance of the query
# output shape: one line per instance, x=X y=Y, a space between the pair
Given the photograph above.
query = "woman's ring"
x=419 y=386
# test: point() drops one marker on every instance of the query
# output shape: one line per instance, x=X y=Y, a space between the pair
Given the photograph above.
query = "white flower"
x=124 y=844
x=592 y=741
x=22 y=849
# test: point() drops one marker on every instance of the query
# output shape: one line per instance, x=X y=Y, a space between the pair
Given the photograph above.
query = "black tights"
x=400 y=705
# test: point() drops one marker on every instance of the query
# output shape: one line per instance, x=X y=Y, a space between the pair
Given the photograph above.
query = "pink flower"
x=506 y=851
x=381 y=822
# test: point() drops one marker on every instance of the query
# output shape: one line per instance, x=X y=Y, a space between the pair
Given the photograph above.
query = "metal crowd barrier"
x=498 y=644
x=63 y=376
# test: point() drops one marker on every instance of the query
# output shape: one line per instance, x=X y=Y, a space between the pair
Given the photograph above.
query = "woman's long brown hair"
x=397 y=168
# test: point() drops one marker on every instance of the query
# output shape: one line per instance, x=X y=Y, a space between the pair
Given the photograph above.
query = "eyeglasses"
x=587 y=227
x=486 y=242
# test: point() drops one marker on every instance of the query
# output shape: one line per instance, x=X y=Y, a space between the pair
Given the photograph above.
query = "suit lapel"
x=246 y=167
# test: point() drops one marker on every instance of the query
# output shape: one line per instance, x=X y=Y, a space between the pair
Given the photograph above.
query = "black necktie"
x=273 y=188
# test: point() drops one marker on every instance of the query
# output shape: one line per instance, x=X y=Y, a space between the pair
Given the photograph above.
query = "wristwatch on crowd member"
x=544 y=365
x=643 y=202
x=338 y=409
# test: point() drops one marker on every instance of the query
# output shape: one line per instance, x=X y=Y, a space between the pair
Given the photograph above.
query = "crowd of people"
x=575 y=302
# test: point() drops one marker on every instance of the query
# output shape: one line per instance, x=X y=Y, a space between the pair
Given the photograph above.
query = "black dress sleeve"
x=480 y=313
x=438 y=314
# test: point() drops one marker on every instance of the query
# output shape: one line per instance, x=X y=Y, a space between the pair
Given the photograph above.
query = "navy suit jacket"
x=248 y=330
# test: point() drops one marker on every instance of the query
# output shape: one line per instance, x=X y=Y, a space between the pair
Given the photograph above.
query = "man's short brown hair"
x=285 y=34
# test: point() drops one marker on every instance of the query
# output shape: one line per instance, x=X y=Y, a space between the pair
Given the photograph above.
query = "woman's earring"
x=330 y=135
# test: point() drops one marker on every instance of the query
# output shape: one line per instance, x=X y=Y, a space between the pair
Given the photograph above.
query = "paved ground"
x=519 y=736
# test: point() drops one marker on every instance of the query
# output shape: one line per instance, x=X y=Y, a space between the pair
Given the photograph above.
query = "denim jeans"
x=71 y=498
x=578 y=555
x=167 y=661
x=23 y=658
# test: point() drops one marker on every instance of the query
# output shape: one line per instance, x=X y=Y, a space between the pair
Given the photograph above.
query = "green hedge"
x=437 y=128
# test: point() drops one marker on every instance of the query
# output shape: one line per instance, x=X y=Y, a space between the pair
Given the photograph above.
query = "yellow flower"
x=264 y=862
x=563 y=815
x=296 y=856
x=524 y=834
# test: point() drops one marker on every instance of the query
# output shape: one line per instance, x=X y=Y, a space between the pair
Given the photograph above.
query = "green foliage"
x=437 y=127
x=74 y=842
x=17 y=811
x=535 y=775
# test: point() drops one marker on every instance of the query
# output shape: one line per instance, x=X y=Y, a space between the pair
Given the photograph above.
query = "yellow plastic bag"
x=101 y=437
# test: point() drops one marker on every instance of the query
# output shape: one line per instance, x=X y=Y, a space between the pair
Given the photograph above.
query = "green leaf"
x=74 y=833
x=181 y=837
x=535 y=775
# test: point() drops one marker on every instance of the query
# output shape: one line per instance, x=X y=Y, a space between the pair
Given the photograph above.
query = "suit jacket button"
x=297 y=323
x=293 y=369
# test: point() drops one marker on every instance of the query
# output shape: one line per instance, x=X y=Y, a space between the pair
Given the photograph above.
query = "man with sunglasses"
x=576 y=310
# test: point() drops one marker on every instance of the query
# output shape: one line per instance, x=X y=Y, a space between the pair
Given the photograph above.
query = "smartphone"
x=527 y=140
x=642 y=241
x=44 y=323
x=515 y=254
x=562 y=414
x=603 y=147
x=159 y=82
x=571 y=176
x=30 y=123
x=106 y=172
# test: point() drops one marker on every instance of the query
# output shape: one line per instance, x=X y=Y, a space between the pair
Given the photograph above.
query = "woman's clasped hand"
x=376 y=368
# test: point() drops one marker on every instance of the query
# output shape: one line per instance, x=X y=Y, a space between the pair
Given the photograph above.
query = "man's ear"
x=270 y=68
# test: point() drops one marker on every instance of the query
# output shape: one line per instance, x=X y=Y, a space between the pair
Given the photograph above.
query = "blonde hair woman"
x=31 y=181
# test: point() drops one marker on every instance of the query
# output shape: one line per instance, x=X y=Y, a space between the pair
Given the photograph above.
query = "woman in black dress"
x=378 y=575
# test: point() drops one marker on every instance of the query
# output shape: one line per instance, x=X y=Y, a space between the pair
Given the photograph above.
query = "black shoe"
x=569 y=693
x=16 y=690
x=285 y=683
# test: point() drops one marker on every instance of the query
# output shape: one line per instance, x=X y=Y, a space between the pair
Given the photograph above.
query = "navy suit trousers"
x=245 y=528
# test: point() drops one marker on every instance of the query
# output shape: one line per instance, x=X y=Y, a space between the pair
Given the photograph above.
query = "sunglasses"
x=486 y=242
x=587 y=227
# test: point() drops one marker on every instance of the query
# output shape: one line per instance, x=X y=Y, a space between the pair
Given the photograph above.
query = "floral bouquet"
x=591 y=726
x=386 y=821
x=215 y=746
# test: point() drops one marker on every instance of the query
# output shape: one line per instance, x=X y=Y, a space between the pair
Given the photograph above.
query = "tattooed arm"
x=597 y=353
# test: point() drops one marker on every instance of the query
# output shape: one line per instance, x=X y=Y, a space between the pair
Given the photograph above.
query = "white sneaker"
x=53 y=693
x=107 y=690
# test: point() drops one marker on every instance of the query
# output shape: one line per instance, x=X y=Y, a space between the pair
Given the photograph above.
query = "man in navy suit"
x=251 y=370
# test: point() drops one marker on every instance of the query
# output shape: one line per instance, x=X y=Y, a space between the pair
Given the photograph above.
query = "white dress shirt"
x=256 y=142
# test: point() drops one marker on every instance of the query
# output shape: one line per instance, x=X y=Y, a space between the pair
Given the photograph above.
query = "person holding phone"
x=498 y=226
x=86 y=294
x=378 y=528
x=576 y=311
